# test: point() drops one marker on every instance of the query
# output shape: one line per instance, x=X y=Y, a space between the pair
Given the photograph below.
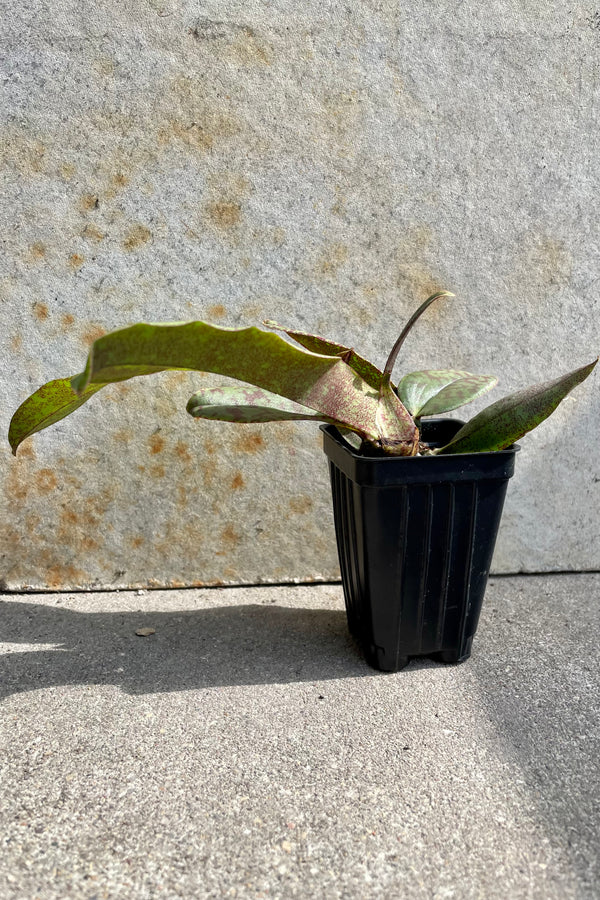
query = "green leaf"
x=248 y=404
x=50 y=403
x=367 y=371
x=324 y=384
x=434 y=391
x=504 y=422
x=398 y=434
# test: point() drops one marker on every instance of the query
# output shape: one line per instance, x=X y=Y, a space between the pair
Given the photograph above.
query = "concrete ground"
x=244 y=749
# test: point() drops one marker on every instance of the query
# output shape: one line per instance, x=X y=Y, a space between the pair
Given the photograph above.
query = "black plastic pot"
x=415 y=539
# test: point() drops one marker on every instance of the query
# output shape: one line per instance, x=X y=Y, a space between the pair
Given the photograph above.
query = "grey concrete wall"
x=323 y=164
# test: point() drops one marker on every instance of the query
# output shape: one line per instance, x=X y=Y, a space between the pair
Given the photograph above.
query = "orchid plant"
x=318 y=380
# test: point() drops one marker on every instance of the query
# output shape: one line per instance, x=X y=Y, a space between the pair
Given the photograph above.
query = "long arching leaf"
x=50 y=403
x=324 y=384
x=504 y=422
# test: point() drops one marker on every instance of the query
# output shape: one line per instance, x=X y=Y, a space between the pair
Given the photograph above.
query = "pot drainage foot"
x=378 y=659
x=402 y=662
x=453 y=656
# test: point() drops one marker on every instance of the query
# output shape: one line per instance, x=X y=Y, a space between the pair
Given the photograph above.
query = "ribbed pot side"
x=415 y=540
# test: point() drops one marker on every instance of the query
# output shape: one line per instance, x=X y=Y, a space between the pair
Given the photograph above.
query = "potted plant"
x=416 y=503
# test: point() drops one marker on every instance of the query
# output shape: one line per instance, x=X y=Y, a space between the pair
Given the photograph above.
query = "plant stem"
x=396 y=348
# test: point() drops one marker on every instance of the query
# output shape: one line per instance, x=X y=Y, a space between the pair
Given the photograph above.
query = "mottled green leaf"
x=324 y=384
x=417 y=388
x=50 y=403
x=367 y=371
x=248 y=404
x=398 y=433
x=504 y=422
x=459 y=393
x=434 y=391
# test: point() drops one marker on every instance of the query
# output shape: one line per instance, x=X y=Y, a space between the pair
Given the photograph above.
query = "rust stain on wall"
x=250 y=442
x=208 y=463
x=172 y=379
x=36 y=252
x=137 y=237
x=88 y=202
x=69 y=517
x=278 y=236
x=116 y=183
x=286 y=433
x=67 y=171
x=237 y=482
x=74 y=526
x=301 y=504
x=182 y=452
x=40 y=311
x=252 y=312
x=76 y=261
x=66 y=320
x=92 y=233
x=120 y=180
x=224 y=214
x=22 y=152
x=229 y=538
x=46 y=481
x=92 y=333
x=156 y=443
x=192 y=134
x=217 y=311
x=208 y=467
x=123 y=435
x=17 y=487
x=11 y=538
x=24 y=480
x=224 y=208
x=119 y=390
x=60 y=574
